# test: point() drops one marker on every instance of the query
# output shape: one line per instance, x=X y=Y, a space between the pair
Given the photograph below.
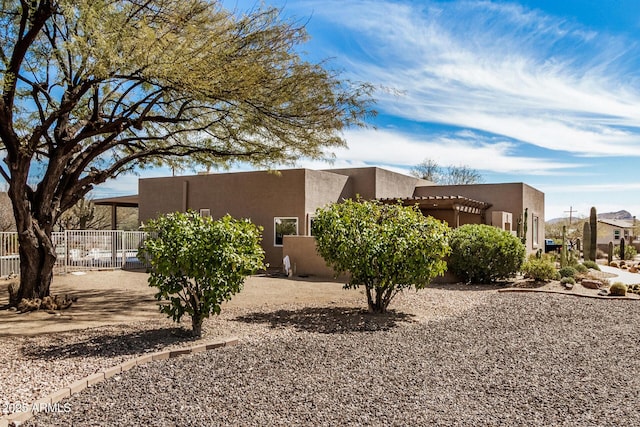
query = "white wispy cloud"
x=398 y=151
x=499 y=68
x=624 y=188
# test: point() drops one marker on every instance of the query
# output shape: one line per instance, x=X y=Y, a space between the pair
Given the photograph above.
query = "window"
x=205 y=213
x=616 y=234
x=535 y=231
x=284 y=226
x=310 y=218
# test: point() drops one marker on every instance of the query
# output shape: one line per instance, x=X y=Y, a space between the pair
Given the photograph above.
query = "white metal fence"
x=79 y=250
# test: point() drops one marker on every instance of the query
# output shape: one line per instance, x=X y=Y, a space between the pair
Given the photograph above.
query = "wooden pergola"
x=455 y=204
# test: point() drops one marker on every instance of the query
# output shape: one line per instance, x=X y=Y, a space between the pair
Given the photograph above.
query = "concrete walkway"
x=621 y=275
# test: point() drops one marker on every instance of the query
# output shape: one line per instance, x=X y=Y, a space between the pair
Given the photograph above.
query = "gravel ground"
x=506 y=359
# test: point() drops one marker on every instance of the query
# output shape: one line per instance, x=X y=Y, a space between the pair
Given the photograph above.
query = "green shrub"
x=567 y=272
x=614 y=264
x=484 y=254
x=630 y=252
x=540 y=269
x=580 y=268
x=567 y=279
x=618 y=289
x=591 y=264
x=385 y=248
x=197 y=263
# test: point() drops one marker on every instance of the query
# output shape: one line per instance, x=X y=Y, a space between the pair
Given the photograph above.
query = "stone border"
x=18 y=418
x=551 y=291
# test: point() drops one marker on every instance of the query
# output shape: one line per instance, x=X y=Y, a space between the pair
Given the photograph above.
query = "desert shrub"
x=580 y=268
x=600 y=254
x=630 y=252
x=614 y=264
x=540 y=269
x=197 y=263
x=618 y=289
x=567 y=272
x=591 y=264
x=484 y=254
x=385 y=248
x=567 y=279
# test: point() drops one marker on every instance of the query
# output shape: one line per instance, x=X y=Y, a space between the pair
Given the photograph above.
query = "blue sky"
x=543 y=92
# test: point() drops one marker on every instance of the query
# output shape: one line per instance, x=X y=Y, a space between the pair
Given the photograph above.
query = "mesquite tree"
x=92 y=89
x=385 y=248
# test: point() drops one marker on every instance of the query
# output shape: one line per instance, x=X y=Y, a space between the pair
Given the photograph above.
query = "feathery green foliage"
x=92 y=89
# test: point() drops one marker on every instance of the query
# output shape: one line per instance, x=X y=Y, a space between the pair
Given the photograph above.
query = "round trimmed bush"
x=567 y=272
x=565 y=280
x=484 y=254
x=580 y=268
x=591 y=264
x=540 y=269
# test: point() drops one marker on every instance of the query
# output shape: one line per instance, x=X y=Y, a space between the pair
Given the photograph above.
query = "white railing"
x=9 y=258
x=79 y=250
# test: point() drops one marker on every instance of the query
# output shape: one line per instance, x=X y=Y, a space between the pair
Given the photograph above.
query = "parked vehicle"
x=551 y=246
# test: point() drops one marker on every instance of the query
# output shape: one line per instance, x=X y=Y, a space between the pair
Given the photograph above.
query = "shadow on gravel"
x=472 y=287
x=328 y=320
x=109 y=344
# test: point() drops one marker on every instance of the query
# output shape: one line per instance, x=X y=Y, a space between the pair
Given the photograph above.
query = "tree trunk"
x=34 y=224
x=376 y=305
x=196 y=325
x=37 y=259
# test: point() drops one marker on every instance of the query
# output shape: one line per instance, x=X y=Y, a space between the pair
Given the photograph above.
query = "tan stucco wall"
x=361 y=182
x=322 y=188
x=259 y=196
x=375 y=183
x=605 y=234
x=304 y=258
x=534 y=200
x=391 y=184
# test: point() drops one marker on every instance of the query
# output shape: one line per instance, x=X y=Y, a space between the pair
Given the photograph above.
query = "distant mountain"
x=607 y=215
x=616 y=215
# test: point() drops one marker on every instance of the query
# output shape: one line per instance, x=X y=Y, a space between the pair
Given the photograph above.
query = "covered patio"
x=115 y=203
x=455 y=210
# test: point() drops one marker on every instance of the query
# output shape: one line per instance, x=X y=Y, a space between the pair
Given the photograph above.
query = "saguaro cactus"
x=593 y=225
x=563 y=249
x=522 y=228
x=586 y=236
x=610 y=253
x=622 y=243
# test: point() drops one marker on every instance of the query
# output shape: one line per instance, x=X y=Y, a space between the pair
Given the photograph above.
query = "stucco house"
x=284 y=202
x=612 y=230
